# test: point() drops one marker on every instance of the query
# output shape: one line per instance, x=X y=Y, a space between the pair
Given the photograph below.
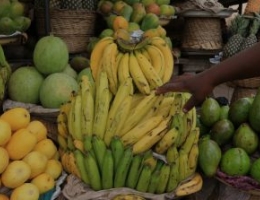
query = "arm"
x=245 y=64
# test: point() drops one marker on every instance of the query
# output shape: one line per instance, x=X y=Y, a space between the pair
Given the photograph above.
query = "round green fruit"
x=255 y=170
x=235 y=161
x=57 y=89
x=50 y=55
x=24 y=85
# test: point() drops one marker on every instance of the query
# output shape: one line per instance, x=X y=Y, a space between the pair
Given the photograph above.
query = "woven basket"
x=248 y=83
x=240 y=92
x=75 y=27
x=202 y=34
x=252 y=7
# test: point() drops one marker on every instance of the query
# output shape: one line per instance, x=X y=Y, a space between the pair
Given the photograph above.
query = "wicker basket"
x=75 y=27
x=240 y=92
x=202 y=34
x=248 y=83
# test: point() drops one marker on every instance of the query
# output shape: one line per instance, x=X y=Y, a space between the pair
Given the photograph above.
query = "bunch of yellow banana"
x=149 y=63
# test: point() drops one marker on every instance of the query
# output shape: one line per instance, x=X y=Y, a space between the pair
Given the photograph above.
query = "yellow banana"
x=87 y=113
x=138 y=75
x=165 y=106
x=123 y=68
x=72 y=166
x=161 y=44
x=62 y=124
x=124 y=90
x=118 y=120
x=178 y=122
x=191 y=186
x=146 y=54
x=172 y=154
x=86 y=84
x=97 y=54
x=102 y=106
x=183 y=165
x=168 y=140
x=78 y=144
x=157 y=59
x=62 y=142
x=137 y=132
x=193 y=158
x=109 y=66
x=149 y=72
x=151 y=138
x=137 y=98
x=139 y=112
x=190 y=140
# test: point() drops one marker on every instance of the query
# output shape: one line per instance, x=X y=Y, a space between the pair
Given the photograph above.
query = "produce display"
x=229 y=148
x=12 y=17
x=30 y=162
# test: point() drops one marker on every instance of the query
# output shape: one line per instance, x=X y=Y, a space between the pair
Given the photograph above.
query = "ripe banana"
x=178 y=103
x=167 y=141
x=61 y=124
x=138 y=75
x=163 y=179
x=151 y=75
x=174 y=176
x=123 y=68
x=87 y=113
x=137 y=132
x=161 y=44
x=72 y=167
x=76 y=124
x=144 y=179
x=191 y=186
x=179 y=124
x=99 y=148
x=139 y=112
x=93 y=172
x=102 y=106
x=157 y=59
x=109 y=66
x=62 y=142
x=107 y=172
x=151 y=138
x=193 y=158
x=97 y=54
x=134 y=171
x=123 y=168
x=78 y=144
x=192 y=139
x=87 y=84
x=117 y=149
x=165 y=106
x=155 y=178
x=146 y=54
x=79 y=157
x=183 y=165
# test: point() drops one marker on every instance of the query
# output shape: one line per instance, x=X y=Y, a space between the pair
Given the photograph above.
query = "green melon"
x=50 y=55
x=56 y=89
x=24 y=85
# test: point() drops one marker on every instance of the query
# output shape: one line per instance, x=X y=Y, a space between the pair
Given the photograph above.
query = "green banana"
x=93 y=172
x=99 y=148
x=123 y=168
x=107 y=172
x=174 y=176
x=134 y=172
x=179 y=124
x=183 y=165
x=87 y=143
x=117 y=148
x=172 y=154
x=155 y=178
x=79 y=156
x=191 y=139
x=144 y=179
x=163 y=179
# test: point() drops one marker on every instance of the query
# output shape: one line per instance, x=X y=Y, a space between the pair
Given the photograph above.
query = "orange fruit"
x=120 y=23
x=38 y=128
x=5 y=132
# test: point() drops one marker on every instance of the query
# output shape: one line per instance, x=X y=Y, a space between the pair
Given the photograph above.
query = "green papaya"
x=150 y=21
x=209 y=156
x=138 y=13
x=126 y=12
x=7 y=26
x=5 y=6
x=254 y=112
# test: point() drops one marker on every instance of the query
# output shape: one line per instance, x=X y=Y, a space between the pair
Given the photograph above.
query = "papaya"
x=138 y=13
x=254 y=112
x=209 y=156
x=149 y=21
x=5 y=6
x=126 y=12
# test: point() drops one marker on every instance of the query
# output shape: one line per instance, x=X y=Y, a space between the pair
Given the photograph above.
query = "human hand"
x=199 y=87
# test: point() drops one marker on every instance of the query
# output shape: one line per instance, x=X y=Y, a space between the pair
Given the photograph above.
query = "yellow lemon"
x=5 y=132
x=54 y=168
x=44 y=182
x=47 y=147
x=15 y=174
x=17 y=118
x=26 y=191
x=37 y=161
x=4 y=157
x=38 y=128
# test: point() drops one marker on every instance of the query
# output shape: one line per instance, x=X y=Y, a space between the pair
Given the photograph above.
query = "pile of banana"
x=149 y=62
x=117 y=140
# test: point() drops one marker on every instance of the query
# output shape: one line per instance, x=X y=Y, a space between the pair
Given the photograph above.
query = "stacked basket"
x=74 y=24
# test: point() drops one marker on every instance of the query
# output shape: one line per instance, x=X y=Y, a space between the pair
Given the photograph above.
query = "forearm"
x=245 y=64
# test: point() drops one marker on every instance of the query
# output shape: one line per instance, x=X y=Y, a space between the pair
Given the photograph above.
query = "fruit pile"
x=29 y=160
x=111 y=140
x=229 y=149
x=12 y=17
x=149 y=63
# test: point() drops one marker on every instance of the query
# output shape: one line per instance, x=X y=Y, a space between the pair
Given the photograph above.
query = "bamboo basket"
x=75 y=27
x=240 y=92
x=248 y=83
x=202 y=33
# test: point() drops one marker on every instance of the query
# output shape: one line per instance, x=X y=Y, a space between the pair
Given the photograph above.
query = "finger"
x=190 y=104
x=170 y=87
